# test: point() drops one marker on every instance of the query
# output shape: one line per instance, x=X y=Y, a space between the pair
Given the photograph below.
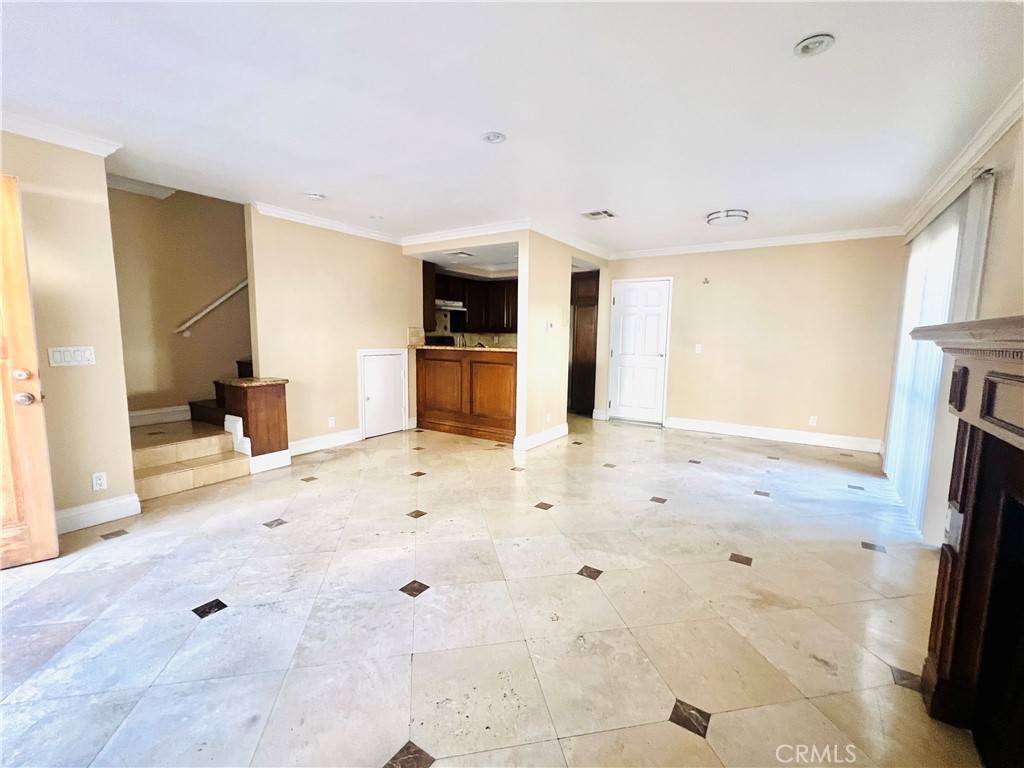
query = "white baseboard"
x=323 y=442
x=532 y=441
x=600 y=414
x=239 y=442
x=159 y=415
x=846 y=442
x=269 y=461
x=411 y=423
x=96 y=512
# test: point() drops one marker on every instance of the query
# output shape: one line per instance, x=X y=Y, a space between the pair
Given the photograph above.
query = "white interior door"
x=639 y=344
x=383 y=391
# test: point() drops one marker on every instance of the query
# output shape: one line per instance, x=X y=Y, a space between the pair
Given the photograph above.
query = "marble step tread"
x=165 y=479
x=182 y=450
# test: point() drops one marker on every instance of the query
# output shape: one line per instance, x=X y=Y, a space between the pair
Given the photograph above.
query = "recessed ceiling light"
x=728 y=217
x=315 y=195
x=813 y=45
x=494 y=137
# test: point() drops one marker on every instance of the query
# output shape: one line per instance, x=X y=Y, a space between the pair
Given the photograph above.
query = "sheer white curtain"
x=946 y=260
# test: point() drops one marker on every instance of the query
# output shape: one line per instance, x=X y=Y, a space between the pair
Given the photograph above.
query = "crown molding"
x=576 y=242
x=139 y=187
x=318 y=221
x=498 y=228
x=766 y=242
x=1006 y=114
x=54 y=134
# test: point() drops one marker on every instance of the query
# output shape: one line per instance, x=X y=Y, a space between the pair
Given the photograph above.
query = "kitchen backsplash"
x=507 y=340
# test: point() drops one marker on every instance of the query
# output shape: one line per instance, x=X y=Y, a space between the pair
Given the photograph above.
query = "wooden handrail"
x=210 y=307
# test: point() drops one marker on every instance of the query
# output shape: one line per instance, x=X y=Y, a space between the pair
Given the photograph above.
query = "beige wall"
x=786 y=332
x=316 y=296
x=549 y=278
x=74 y=293
x=173 y=257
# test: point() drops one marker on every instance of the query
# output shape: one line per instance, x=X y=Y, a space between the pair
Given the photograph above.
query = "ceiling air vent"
x=598 y=215
x=459 y=254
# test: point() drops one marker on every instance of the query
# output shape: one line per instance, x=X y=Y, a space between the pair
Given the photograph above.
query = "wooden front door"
x=28 y=526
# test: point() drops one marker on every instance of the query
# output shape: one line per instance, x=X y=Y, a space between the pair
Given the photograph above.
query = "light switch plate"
x=61 y=356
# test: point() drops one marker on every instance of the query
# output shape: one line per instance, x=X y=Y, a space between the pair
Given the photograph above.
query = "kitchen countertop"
x=251 y=382
x=466 y=349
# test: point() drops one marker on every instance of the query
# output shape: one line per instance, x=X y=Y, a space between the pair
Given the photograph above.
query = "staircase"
x=213 y=411
x=174 y=457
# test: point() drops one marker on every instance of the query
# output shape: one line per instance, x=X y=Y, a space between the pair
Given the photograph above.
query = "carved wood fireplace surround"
x=974 y=674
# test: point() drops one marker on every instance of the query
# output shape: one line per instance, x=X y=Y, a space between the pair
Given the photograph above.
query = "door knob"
x=21 y=374
x=24 y=398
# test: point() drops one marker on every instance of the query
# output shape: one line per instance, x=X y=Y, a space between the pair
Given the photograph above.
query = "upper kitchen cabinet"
x=450 y=288
x=429 y=296
x=502 y=306
x=476 y=306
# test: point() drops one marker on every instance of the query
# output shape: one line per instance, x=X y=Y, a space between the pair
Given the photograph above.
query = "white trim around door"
x=657 y=356
x=403 y=354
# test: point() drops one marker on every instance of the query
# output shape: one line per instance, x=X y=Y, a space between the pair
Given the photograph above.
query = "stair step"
x=207 y=411
x=164 y=479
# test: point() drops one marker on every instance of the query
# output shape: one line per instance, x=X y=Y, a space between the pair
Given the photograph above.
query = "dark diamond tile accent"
x=543 y=505
x=158 y=432
x=309 y=479
x=762 y=493
x=416 y=513
x=418 y=448
x=741 y=559
x=418 y=474
x=576 y=442
x=847 y=455
x=689 y=717
x=658 y=500
x=609 y=466
x=855 y=487
x=906 y=679
x=694 y=461
x=114 y=534
x=774 y=458
x=873 y=547
x=501 y=445
x=410 y=756
x=518 y=469
x=414 y=588
x=590 y=573
x=210 y=608
x=275 y=522
x=417 y=431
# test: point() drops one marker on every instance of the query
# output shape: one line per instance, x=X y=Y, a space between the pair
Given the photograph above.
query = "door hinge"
x=613 y=301
x=609 y=403
x=612 y=353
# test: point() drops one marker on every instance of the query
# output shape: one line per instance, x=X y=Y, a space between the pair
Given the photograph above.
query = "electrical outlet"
x=99 y=481
x=330 y=422
x=813 y=421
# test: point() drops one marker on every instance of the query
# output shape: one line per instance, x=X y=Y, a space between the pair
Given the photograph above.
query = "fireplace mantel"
x=974 y=674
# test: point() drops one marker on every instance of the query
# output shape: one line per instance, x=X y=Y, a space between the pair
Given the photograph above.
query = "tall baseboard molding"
x=96 y=512
x=538 y=439
x=323 y=442
x=846 y=442
x=269 y=461
x=159 y=415
x=600 y=414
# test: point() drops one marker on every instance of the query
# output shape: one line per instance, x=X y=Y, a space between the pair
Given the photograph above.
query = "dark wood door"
x=476 y=306
x=583 y=339
x=497 y=303
x=429 y=295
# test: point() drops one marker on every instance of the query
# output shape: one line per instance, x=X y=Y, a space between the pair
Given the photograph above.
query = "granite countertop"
x=261 y=382
x=466 y=349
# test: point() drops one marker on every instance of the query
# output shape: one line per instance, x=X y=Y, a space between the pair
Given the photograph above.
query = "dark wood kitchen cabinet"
x=476 y=306
x=429 y=295
x=502 y=306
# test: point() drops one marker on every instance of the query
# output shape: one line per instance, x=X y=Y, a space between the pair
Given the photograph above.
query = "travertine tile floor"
x=624 y=596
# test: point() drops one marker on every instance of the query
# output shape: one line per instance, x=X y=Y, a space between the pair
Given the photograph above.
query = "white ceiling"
x=499 y=257
x=658 y=112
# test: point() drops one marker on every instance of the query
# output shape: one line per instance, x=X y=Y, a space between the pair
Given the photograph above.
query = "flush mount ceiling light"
x=813 y=45
x=728 y=217
x=494 y=137
x=315 y=195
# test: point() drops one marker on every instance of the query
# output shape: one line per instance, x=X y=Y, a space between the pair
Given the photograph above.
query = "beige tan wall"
x=74 y=293
x=548 y=295
x=173 y=257
x=786 y=332
x=316 y=296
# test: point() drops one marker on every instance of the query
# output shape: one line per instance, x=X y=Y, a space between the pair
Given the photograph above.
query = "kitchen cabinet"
x=467 y=391
x=429 y=295
x=502 y=306
x=451 y=288
x=476 y=306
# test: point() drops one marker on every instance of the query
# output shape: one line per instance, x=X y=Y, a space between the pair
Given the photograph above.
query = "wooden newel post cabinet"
x=260 y=402
x=974 y=674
